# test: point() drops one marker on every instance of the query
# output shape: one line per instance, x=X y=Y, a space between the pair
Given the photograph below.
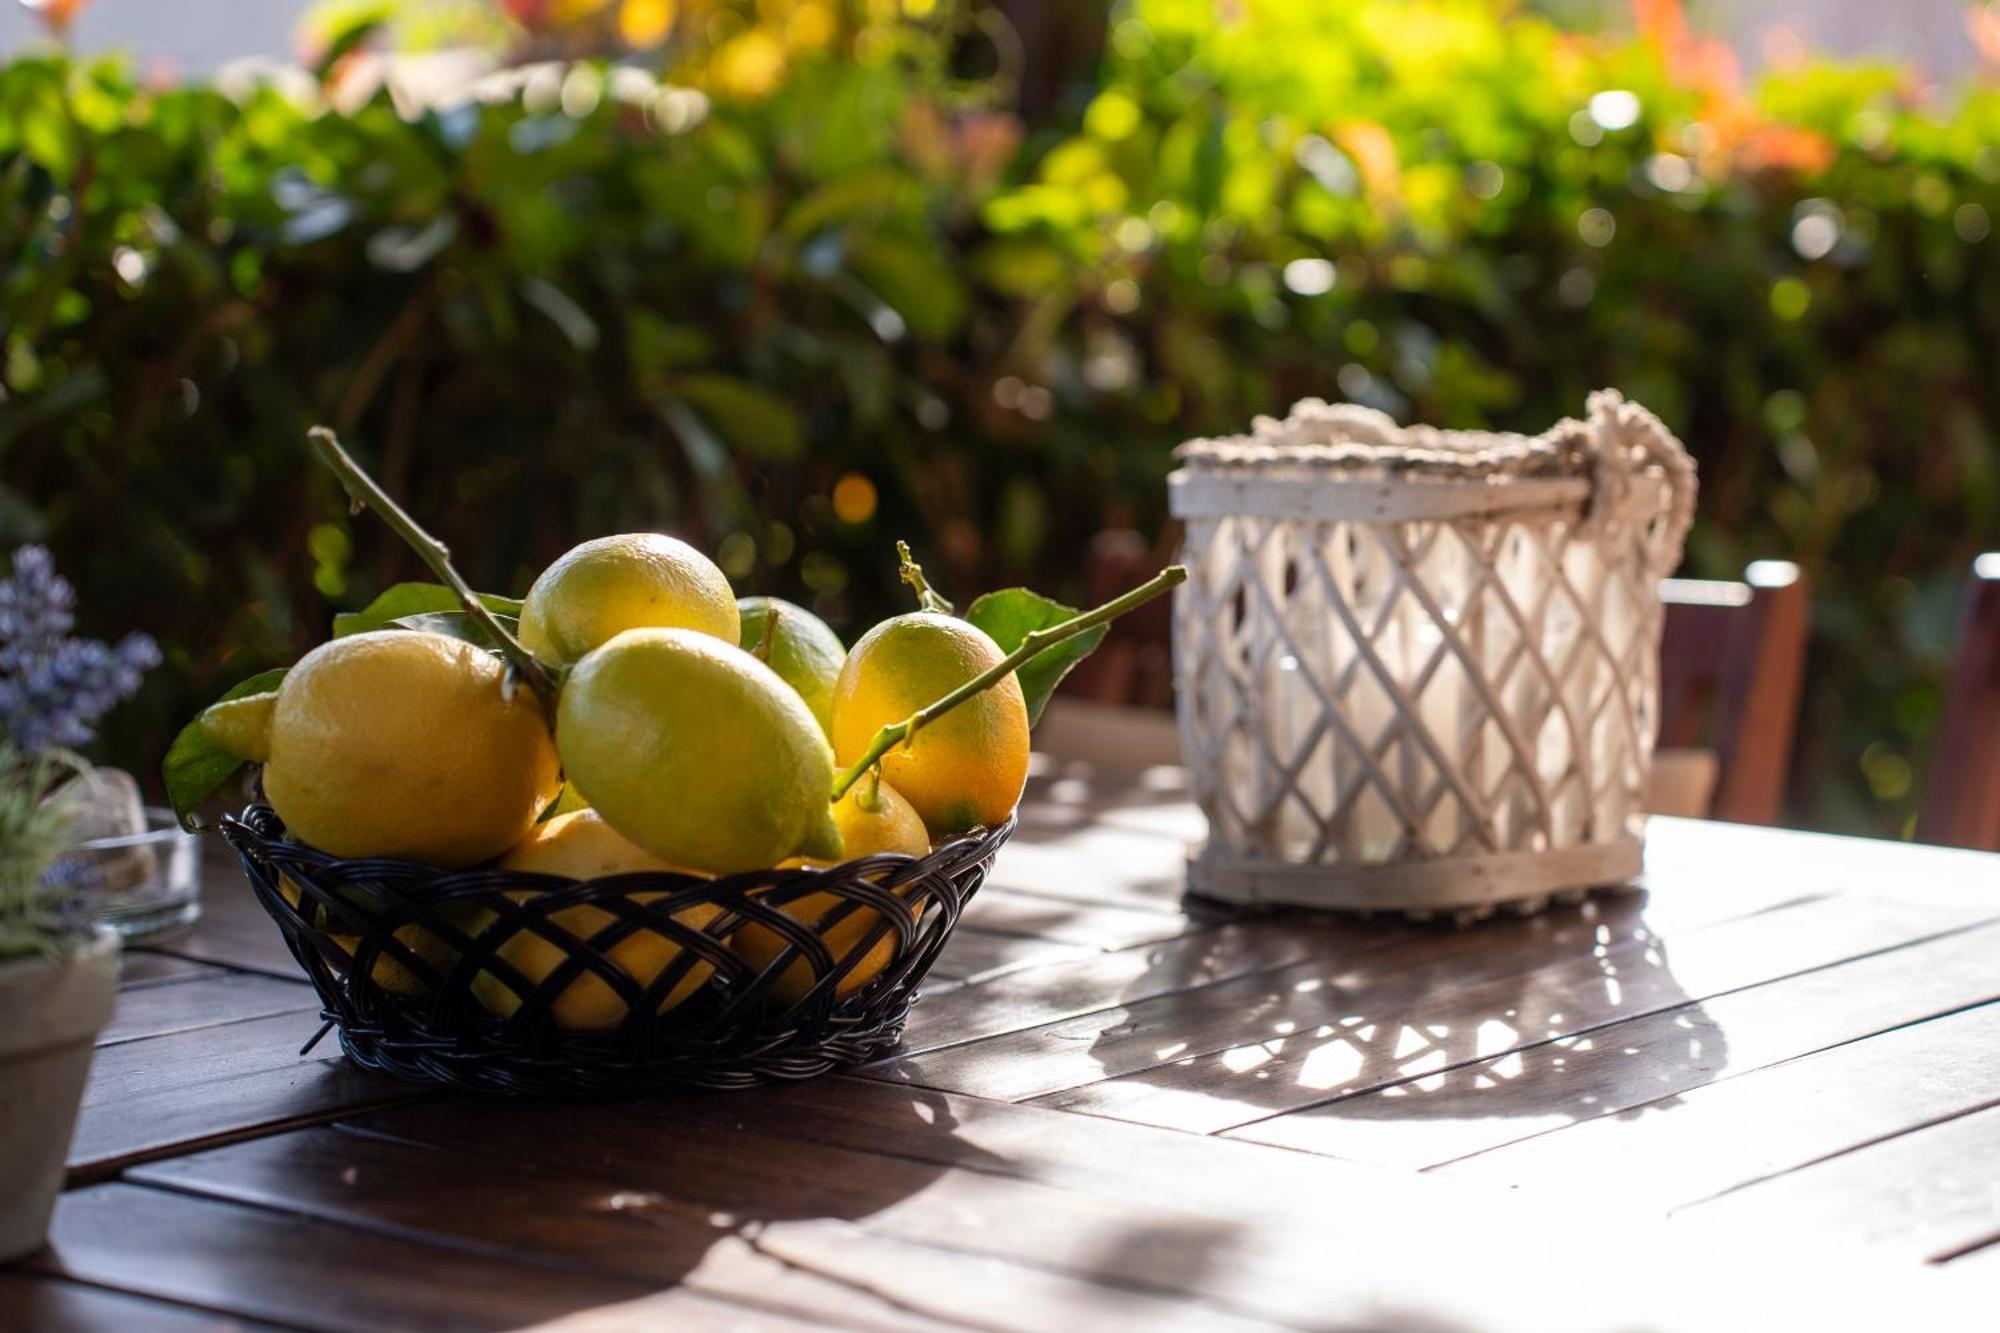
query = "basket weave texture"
x=408 y=961
x=1418 y=670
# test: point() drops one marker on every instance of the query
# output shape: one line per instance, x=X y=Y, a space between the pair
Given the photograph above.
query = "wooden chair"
x=1962 y=792
x=1731 y=665
x=1732 y=656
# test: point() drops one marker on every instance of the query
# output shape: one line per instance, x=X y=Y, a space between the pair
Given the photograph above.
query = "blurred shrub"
x=809 y=300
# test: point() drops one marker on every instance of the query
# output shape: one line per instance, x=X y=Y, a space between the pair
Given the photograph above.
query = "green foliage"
x=407 y=605
x=196 y=767
x=1010 y=616
x=595 y=303
x=36 y=916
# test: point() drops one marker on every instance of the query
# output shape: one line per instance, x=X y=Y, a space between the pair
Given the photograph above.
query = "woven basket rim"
x=959 y=846
x=424 y=1017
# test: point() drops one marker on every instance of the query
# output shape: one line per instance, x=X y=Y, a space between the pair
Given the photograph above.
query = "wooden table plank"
x=233 y=930
x=608 y=1201
x=1787 y=1009
x=1651 y=1064
x=1927 y=1194
x=295 y=1270
x=30 y=1300
x=170 y=1093
x=202 y=1002
x=1078 y=986
x=1064 y=921
x=1097 y=864
x=1760 y=1125
x=1451 y=1260
x=1215 y=952
x=141 y=967
x=978 y=955
x=1334 y=1029
x=1065 y=795
x=1698 y=855
x=185 y=1059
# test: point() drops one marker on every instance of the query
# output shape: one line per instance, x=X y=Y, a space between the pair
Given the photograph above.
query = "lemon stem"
x=762 y=652
x=364 y=490
x=912 y=573
x=900 y=733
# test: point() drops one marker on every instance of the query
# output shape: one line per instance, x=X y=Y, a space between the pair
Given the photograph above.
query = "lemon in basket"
x=697 y=752
x=799 y=646
x=397 y=743
x=610 y=584
x=582 y=846
x=389 y=973
x=969 y=766
x=872 y=818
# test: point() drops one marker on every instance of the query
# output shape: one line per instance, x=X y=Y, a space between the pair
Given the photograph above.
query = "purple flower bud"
x=53 y=688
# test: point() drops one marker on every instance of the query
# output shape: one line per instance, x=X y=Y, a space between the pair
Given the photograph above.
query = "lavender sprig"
x=54 y=688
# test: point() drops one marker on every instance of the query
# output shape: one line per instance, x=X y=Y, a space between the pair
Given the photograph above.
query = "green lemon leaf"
x=457 y=625
x=405 y=600
x=1010 y=616
x=195 y=765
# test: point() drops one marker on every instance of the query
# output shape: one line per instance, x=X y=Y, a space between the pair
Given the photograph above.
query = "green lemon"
x=800 y=647
x=695 y=751
x=611 y=584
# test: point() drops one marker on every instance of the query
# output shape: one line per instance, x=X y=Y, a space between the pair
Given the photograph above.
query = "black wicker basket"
x=476 y=978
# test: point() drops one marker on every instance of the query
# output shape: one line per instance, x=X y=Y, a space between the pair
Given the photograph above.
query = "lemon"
x=390 y=973
x=969 y=766
x=802 y=649
x=891 y=825
x=582 y=846
x=611 y=584
x=874 y=817
x=397 y=743
x=696 y=751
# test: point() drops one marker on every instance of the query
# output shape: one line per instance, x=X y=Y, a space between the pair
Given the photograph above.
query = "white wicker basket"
x=1418 y=670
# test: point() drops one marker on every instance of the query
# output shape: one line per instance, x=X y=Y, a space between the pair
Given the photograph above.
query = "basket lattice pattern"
x=466 y=977
x=1419 y=690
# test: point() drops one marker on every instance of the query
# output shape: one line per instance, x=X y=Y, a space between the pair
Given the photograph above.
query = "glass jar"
x=142 y=885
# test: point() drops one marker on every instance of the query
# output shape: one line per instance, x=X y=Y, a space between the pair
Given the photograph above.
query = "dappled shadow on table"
x=1509 y=1020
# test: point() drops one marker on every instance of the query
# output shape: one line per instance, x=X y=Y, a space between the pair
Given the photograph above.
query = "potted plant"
x=58 y=970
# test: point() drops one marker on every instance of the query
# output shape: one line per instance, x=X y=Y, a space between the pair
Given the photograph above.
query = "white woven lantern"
x=1418 y=670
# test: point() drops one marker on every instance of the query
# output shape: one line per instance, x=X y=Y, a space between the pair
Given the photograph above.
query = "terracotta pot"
x=50 y=1014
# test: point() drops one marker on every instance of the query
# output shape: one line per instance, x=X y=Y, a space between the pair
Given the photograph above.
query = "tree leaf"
x=750 y=419
x=195 y=765
x=1010 y=616
x=405 y=600
x=457 y=625
x=923 y=288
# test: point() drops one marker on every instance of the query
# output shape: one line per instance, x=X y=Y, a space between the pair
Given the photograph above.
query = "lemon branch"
x=912 y=573
x=365 y=491
x=899 y=733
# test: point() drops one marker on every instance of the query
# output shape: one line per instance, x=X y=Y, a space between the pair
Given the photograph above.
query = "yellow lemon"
x=799 y=646
x=891 y=825
x=389 y=972
x=696 y=751
x=630 y=581
x=965 y=769
x=582 y=846
x=398 y=743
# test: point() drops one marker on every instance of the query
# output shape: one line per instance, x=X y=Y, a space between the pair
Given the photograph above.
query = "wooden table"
x=1762 y=1092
